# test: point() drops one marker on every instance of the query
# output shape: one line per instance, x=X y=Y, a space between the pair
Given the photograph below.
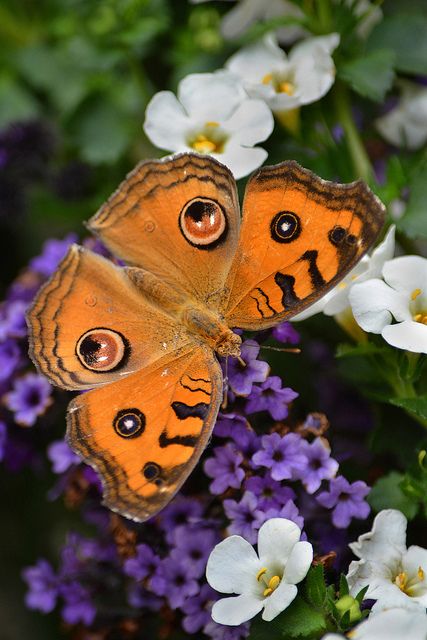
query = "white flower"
x=212 y=114
x=286 y=82
x=393 y=624
x=336 y=301
x=403 y=296
x=266 y=581
x=406 y=124
x=397 y=576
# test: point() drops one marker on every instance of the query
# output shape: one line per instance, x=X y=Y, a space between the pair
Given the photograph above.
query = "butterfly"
x=143 y=339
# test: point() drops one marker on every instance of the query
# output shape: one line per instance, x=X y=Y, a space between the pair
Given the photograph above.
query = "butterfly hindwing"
x=87 y=303
x=177 y=218
x=145 y=433
x=300 y=235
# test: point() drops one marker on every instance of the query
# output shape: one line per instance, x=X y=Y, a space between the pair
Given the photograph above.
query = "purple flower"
x=53 y=252
x=270 y=493
x=29 y=398
x=242 y=377
x=193 y=546
x=245 y=516
x=10 y=357
x=284 y=456
x=285 y=332
x=139 y=598
x=173 y=581
x=320 y=465
x=271 y=397
x=12 y=320
x=61 y=456
x=289 y=511
x=220 y=632
x=3 y=438
x=346 y=499
x=78 y=605
x=144 y=564
x=43 y=586
x=181 y=510
x=197 y=610
x=224 y=468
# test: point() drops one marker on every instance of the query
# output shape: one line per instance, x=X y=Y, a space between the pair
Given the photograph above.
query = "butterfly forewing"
x=144 y=434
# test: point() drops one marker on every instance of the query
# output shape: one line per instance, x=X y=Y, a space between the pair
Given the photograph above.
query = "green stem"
x=324 y=15
x=361 y=163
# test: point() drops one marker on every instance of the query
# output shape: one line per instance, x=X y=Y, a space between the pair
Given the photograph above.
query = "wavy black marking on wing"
x=287 y=284
x=317 y=280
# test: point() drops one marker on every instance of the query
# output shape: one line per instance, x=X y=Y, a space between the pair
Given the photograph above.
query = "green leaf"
x=387 y=494
x=344 y=590
x=370 y=75
x=345 y=349
x=417 y=406
x=315 y=587
x=362 y=593
x=414 y=221
x=299 y=620
x=15 y=102
x=406 y=35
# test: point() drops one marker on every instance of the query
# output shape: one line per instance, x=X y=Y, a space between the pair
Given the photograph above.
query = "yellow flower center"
x=211 y=139
x=270 y=583
x=420 y=315
x=280 y=85
x=409 y=585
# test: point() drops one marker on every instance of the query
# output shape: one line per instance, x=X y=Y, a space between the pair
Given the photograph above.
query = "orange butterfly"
x=145 y=337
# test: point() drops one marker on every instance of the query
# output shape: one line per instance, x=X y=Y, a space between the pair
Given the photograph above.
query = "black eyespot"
x=351 y=239
x=285 y=226
x=337 y=235
x=129 y=423
x=102 y=350
x=151 y=472
x=203 y=223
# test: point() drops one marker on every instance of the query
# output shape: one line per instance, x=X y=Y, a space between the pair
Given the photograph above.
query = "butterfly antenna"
x=225 y=386
x=282 y=349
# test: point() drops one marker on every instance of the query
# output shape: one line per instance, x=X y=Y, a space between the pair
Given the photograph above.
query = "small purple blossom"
x=271 y=397
x=284 y=456
x=182 y=510
x=224 y=468
x=270 y=493
x=12 y=320
x=347 y=501
x=78 y=605
x=173 y=581
x=285 y=332
x=61 y=456
x=197 y=610
x=143 y=565
x=43 y=586
x=193 y=546
x=10 y=358
x=53 y=252
x=320 y=465
x=241 y=378
x=220 y=632
x=289 y=511
x=245 y=516
x=29 y=398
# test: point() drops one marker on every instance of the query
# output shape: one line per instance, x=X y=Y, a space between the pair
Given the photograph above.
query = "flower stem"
x=360 y=159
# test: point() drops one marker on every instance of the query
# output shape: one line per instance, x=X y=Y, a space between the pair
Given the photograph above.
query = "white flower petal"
x=413 y=560
x=299 y=562
x=252 y=63
x=387 y=537
x=313 y=47
x=317 y=307
x=236 y=21
x=276 y=539
x=408 y=335
x=232 y=567
x=241 y=160
x=359 y=575
x=374 y=303
x=393 y=624
x=382 y=253
x=166 y=122
x=251 y=122
x=406 y=273
x=233 y=611
x=406 y=124
x=279 y=600
x=314 y=77
x=210 y=96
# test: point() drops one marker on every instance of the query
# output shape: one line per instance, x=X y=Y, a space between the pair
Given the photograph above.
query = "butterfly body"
x=144 y=338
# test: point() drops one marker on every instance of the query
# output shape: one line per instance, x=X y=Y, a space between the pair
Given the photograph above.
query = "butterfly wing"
x=90 y=324
x=177 y=218
x=145 y=433
x=300 y=235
